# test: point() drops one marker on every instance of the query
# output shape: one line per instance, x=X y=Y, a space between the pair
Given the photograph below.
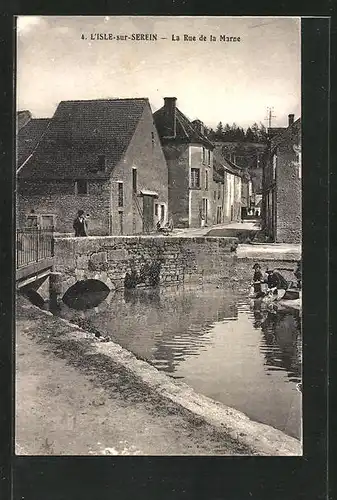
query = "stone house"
x=227 y=190
x=282 y=184
x=102 y=156
x=189 y=156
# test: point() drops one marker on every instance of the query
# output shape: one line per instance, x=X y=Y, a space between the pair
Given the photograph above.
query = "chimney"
x=290 y=120
x=170 y=115
x=199 y=126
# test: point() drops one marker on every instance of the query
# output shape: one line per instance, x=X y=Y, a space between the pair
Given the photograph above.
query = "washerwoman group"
x=273 y=285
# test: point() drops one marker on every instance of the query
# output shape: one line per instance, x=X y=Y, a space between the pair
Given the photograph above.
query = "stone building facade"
x=282 y=184
x=227 y=190
x=101 y=156
x=189 y=156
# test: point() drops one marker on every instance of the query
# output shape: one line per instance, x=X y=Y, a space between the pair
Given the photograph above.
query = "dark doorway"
x=121 y=222
x=148 y=213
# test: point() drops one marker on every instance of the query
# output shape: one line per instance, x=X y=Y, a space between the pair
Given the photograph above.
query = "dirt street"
x=70 y=401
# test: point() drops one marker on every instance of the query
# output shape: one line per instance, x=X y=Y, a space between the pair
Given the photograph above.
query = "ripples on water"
x=222 y=345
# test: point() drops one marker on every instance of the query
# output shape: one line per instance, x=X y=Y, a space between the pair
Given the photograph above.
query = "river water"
x=220 y=343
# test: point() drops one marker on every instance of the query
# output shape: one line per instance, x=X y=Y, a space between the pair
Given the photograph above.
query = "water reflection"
x=182 y=326
x=220 y=344
x=281 y=342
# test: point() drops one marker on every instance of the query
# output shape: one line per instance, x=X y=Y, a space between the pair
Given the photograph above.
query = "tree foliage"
x=256 y=133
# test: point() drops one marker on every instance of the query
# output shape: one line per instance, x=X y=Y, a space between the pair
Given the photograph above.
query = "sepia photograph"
x=158 y=236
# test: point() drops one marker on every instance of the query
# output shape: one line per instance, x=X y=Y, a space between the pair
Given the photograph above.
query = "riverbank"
x=77 y=395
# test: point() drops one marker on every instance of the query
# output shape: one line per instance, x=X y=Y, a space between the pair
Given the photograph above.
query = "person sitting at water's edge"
x=80 y=224
x=276 y=281
x=258 y=280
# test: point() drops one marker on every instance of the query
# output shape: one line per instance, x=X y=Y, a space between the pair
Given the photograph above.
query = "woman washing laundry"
x=277 y=284
x=258 y=280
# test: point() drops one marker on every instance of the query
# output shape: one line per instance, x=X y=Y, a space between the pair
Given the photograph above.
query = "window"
x=219 y=191
x=195 y=178
x=156 y=210
x=47 y=221
x=203 y=155
x=81 y=187
x=214 y=195
x=101 y=162
x=209 y=157
x=299 y=161
x=134 y=180
x=162 y=215
x=32 y=220
x=206 y=180
x=43 y=221
x=120 y=194
x=204 y=209
x=274 y=166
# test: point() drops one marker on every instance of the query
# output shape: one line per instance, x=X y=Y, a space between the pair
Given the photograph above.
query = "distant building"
x=282 y=184
x=227 y=192
x=189 y=156
x=247 y=196
x=101 y=156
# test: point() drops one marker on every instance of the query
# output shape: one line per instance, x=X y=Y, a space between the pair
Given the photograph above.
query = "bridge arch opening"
x=86 y=294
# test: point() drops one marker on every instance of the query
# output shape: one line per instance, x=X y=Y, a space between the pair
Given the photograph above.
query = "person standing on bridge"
x=80 y=224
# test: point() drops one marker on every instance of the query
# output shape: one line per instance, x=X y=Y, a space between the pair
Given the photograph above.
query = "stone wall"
x=169 y=260
x=289 y=191
x=282 y=214
x=58 y=198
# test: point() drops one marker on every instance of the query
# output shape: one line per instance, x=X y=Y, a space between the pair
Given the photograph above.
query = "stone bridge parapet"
x=160 y=260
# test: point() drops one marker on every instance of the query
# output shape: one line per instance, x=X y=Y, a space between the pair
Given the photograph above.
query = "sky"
x=212 y=80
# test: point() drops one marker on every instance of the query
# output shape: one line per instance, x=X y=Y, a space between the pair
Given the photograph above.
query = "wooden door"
x=148 y=213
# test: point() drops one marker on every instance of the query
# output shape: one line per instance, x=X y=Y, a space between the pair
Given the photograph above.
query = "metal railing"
x=33 y=245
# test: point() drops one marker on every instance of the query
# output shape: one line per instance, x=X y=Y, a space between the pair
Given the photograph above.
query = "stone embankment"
x=136 y=400
x=165 y=260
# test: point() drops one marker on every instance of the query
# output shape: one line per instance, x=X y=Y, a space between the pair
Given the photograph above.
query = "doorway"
x=148 y=213
x=219 y=215
x=205 y=209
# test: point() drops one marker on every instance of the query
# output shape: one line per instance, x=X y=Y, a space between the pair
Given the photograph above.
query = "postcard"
x=159 y=236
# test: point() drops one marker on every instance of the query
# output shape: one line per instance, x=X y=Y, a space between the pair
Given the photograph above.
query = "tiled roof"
x=82 y=131
x=293 y=129
x=28 y=137
x=218 y=174
x=221 y=162
x=185 y=131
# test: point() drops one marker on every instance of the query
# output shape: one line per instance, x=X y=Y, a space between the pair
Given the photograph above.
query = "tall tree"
x=263 y=133
x=227 y=133
x=250 y=136
x=219 y=131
